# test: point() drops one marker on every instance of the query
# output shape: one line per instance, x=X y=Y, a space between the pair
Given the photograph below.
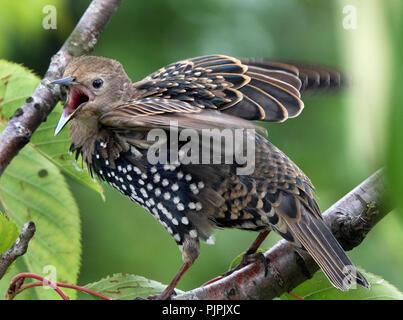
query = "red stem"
x=54 y=285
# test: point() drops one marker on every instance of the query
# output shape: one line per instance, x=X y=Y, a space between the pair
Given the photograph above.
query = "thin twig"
x=350 y=219
x=82 y=40
x=19 y=247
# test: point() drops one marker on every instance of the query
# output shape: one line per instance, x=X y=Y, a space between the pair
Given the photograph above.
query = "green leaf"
x=319 y=288
x=33 y=189
x=8 y=233
x=16 y=85
x=127 y=287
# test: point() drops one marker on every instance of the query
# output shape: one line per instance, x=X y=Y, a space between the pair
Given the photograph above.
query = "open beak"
x=77 y=97
x=63 y=120
x=65 y=81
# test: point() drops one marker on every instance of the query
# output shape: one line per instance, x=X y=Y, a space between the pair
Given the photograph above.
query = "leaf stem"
x=17 y=286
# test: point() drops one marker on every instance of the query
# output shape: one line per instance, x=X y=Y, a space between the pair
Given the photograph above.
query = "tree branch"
x=19 y=247
x=350 y=219
x=82 y=40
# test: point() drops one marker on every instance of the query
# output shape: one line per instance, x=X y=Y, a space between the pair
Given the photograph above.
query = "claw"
x=249 y=258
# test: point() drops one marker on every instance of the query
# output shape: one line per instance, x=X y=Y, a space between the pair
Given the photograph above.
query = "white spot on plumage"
x=198 y=206
x=141 y=182
x=157 y=178
x=179 y=175
x=165 y=182
x=149 y=186
x=129 y=177
x=175 y=222
x=188 y=177
x=192 y=205
x=167 y=196
x=144 y=192
x=200 y=185
x=180 y=206
x=271 y=213
x=210 y=240
x=177 y=237
x=175 y=187
x=176 y=200
x=193 y=233
x=185 y=220
x=167 y=213
x=157 y=192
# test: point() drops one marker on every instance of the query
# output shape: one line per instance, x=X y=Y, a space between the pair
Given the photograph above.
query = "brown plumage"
x=111 y=118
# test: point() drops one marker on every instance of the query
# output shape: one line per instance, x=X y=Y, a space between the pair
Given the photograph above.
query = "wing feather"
x=254 y=89
x=150 y=113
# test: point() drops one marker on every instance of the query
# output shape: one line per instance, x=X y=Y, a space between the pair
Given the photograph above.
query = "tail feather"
x=320 y=243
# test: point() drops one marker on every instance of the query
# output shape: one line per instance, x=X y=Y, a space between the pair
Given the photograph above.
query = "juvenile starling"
x=111 y=118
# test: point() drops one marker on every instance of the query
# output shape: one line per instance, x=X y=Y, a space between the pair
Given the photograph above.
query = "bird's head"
x=95 y=85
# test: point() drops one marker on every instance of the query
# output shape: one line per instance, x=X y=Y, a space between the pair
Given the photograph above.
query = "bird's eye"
x=97 y=83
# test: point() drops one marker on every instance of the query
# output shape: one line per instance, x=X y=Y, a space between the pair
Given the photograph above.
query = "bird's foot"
x=248 y=258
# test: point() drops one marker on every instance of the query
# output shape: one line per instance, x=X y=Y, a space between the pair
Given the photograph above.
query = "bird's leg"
x=190 y=251
x=249 y=256
x=169 y=290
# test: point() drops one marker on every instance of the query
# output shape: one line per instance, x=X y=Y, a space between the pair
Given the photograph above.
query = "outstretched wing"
x=226 y=84
x=252 y=89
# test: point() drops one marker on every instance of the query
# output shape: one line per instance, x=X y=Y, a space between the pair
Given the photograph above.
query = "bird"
x=111 y=119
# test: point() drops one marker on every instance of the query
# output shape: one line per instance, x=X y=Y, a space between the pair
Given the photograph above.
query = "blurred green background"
x=340 y=139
